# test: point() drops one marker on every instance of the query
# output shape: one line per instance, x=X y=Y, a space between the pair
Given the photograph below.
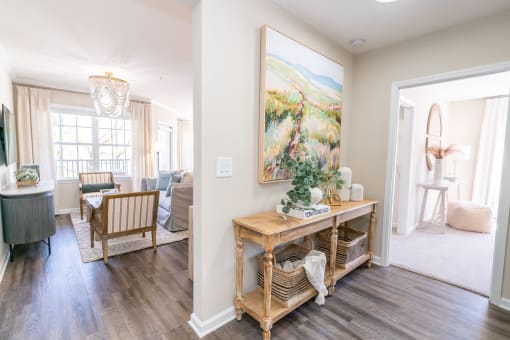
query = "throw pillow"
x=163 y=180
x=176 y=178
x=88 y=188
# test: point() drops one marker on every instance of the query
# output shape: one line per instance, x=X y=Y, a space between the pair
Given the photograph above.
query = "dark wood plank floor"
x=145 y=296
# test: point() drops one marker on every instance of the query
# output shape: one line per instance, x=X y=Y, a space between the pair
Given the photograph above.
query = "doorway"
x=454 y=168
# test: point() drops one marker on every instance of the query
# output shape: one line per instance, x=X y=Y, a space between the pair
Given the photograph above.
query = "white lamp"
x=157 y=147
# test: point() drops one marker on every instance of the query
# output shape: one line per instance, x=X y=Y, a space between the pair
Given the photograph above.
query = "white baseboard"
x=505 y=304
x=67 y=211
x=4 y=260
x=377 y=260
x=202 y=328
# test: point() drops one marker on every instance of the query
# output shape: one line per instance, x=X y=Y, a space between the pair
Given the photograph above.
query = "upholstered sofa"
x=173 y=209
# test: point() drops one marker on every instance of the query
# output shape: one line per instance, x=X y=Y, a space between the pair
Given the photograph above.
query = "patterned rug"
x=120 y=245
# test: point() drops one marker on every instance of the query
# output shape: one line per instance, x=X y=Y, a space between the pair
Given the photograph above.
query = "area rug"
x=457 y=257
x=119 y=245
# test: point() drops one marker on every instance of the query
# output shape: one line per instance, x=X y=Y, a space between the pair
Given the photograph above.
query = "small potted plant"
x=306 y=179
x=332 y=183
x=26 y=177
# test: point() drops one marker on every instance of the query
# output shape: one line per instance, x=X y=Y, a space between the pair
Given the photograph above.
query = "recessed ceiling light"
x=358 y=42
x=386 y=1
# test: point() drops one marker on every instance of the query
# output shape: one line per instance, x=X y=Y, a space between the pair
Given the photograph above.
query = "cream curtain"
x=143 y=162
x=35 y=140
x=489 y=162
x=185 y=146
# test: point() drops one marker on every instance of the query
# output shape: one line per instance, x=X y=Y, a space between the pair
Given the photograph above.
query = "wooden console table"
x=270 y=230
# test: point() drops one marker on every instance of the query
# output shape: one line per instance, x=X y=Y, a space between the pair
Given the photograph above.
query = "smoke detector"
x=358 y=42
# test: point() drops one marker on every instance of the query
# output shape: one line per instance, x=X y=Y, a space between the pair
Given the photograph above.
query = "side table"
x=441 y=201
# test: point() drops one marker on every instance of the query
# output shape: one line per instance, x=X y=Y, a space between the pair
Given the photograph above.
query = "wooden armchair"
x=125 y=214
x=91 y=184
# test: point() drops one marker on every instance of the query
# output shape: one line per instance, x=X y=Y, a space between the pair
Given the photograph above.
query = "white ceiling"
x=59 y=43
x=497 y=84
x=385 y=24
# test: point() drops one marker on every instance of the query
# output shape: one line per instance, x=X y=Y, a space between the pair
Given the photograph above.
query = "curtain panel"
x=143 y=160
x=35 y=139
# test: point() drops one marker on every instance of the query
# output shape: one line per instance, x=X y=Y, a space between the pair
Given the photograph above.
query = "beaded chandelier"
x=110 y=95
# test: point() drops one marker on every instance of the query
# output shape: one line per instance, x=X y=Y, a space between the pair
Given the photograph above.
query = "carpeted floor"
x=458 y=257
x=120 y=245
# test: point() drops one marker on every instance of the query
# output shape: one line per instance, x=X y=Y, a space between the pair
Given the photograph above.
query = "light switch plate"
x=224 y=167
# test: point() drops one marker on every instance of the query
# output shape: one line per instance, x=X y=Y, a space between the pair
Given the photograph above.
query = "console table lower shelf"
x=270 y=230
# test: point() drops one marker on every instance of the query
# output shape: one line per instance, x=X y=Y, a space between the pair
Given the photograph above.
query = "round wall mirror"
x=434 y=134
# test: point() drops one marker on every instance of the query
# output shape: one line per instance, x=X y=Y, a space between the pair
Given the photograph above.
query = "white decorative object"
x=110 y=95
x=357 y=192
x=316 y=196
x=345 y=194
x=346 y=176
x=438 y=171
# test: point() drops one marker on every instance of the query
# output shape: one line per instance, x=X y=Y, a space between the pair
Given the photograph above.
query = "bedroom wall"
x=468 y=45
x=6 y=172
x=226 y=89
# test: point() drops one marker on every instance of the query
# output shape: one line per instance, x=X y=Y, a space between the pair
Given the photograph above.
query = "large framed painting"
x=300 y=106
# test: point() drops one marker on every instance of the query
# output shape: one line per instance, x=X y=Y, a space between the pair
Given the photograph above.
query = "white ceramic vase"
x=438 y=171
x=315 y=198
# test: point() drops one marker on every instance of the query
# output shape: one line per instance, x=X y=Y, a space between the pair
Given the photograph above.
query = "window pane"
x=58 y=151
x=84 y=135
x=68 y=134
x=56 y=119
x=117 y=136
x=85 y=152
x=104 y=123
x=105 y=152
x=128 y=124
x=118 y=123
x=56 y=134
x=105 y=136
x=69 y=152
x=127 y=138
x=85 y=121
x=69 y=120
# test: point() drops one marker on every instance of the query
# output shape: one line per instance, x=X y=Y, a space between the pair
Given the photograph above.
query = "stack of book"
x=304 y=213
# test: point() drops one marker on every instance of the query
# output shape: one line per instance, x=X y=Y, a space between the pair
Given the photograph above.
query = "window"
x=165 y=138
x=85 y=143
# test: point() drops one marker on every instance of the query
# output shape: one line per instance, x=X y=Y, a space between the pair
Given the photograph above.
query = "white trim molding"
x=505 y=304
x=202 y=328
x=378 y=261
x=4 y=261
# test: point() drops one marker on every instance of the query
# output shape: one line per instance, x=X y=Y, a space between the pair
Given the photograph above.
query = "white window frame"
x=89 y=112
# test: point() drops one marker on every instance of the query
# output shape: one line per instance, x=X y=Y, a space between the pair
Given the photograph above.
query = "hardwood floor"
x=143 y=295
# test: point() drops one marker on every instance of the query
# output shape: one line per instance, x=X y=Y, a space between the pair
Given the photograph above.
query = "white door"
x=403 y=170
x=501 y=243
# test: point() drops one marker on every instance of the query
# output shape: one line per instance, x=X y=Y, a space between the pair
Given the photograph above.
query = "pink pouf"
x=469 y=216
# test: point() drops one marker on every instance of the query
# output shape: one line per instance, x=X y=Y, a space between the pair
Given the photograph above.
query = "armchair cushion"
x=88 y=188
x=163 y=180
x=176 y=178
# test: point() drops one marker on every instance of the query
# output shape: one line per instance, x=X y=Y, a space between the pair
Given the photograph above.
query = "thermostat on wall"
x=224 y=167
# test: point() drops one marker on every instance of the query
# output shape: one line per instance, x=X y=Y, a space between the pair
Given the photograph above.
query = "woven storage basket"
x=286 y=285
x=351 y=244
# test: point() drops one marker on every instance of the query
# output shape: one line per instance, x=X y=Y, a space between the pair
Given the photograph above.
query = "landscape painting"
x=300 y=106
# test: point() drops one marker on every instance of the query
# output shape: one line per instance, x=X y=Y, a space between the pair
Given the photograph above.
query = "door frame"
x=503 y=215
x=404 y=185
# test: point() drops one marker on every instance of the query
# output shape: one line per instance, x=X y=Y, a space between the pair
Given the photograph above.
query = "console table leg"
x=11 y=252
x=332 y=259
x=267 y=322
x=371 y=236
x=239 y=273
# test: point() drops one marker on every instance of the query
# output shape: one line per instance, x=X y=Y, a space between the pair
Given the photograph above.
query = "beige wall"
x=226 y=124
x=473 y=44
x=6 y=173
x=464 y=127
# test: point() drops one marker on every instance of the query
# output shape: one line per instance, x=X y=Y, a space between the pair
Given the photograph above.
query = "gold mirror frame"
x=435 y=110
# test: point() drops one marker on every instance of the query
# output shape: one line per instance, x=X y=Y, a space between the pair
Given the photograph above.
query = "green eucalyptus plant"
x=331 y=180
x=305 y=175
